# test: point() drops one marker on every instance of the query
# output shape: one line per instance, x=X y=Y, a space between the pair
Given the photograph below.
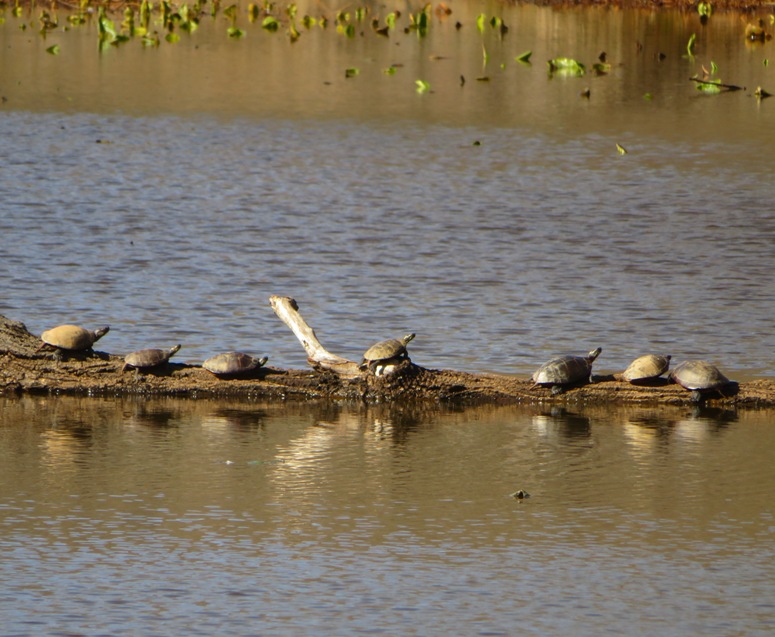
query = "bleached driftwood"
x=318 y=356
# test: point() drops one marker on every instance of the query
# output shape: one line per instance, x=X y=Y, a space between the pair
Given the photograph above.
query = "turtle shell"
x=391 y=348
x=72 y=337
x=565 y=370
x=698 y=376
x=233 y=364
x=147 y=358
x=646 y=367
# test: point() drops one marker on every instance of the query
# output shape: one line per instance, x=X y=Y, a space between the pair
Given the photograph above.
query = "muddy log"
x=25 y=368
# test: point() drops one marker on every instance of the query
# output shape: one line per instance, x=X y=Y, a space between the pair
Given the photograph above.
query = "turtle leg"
x=696 y=396
x=557 y=390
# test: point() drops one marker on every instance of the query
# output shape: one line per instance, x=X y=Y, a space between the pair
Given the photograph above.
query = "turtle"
x=233 y=364
x=646 y=368
x=379 y=355
x=71 y=338
x=564 y=371
x=699 y=377
x=148 y=358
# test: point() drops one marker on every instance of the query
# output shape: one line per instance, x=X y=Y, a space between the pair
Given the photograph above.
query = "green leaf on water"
x=172 y=38
x=391 y=70
x=622 y=150
x=713 y=68
x=390 y=20
x=648 y=96
x=234 y=32
x=270 y=24
x=704 y=9
x=422 y=86
x=351 y=72
x=690 y=45
x=151 y=40
x=711 y=87
x=53 y=50
x=566 y=66
x=524 y=58
x=480 y=21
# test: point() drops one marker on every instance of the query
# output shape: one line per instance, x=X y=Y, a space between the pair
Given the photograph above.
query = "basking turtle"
x=71 y=338
x=646 y=368
x=148 y=358
x=381 y=354
x=561 y=372
x=699 y=377
x=233 y=364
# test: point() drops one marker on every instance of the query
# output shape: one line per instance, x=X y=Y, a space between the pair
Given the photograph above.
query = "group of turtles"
x=71 y=338
x=697 y=376
x=558 y=374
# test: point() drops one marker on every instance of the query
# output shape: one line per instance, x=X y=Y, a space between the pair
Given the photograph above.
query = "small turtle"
x=71 y=338
x=646 y=368
x=233 y=364
x=564 y=371
x=379 y=355
x=148 y=358
x=699 y=377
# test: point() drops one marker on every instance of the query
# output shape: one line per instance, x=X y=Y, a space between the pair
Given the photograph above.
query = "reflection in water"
x=340 y=517
x=560 y=422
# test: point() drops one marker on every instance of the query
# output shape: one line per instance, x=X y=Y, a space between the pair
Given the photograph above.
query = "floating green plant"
x=293 y=32
x=234 y=32
x=351 y=72
x=621 y=149
x=420 y=21
x=270 y=23
x=704 y=9
x=151 y=40
x=566 y=66
x=690 y=45
x=524 y=58
x=422 y=86
x=481 y=20
x=53 y=50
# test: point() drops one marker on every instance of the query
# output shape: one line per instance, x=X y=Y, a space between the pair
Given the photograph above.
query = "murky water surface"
x=196 y=517
x=168 y=192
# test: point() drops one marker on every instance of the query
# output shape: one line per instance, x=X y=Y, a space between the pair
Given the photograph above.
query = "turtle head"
x=262 y=361
x=594 y=354
x=174 y=350
x=100 y=332
x=408 y=338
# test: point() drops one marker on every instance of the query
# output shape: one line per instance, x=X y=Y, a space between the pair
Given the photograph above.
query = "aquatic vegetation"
x=524 y=58
x=621 y=149
x=422 y=86
x=690 y=45
x=566 y=66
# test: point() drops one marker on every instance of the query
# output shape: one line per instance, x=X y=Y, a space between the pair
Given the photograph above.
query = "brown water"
x=229 y=170
x=197 y=517
x=168 y=192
